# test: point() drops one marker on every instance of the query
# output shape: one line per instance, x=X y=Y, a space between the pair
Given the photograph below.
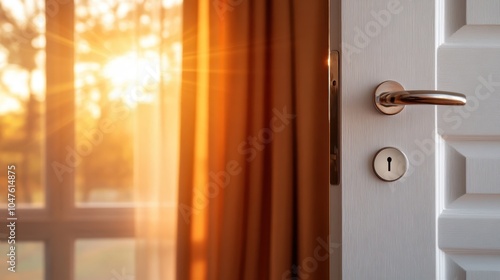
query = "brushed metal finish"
x=390 y=164
x=391 y=97
x=334 y=119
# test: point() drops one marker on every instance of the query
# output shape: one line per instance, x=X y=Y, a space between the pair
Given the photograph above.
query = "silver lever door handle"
x=391 y=97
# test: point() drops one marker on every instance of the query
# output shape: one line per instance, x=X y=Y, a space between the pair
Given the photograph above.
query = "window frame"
x=60 y=222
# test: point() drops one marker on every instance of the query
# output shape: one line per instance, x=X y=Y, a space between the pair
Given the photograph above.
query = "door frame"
x=335 y=191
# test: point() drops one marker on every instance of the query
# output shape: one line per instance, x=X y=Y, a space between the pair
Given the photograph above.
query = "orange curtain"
x=253 y=181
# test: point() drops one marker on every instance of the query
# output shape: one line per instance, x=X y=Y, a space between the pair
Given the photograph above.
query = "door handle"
x=391 y=97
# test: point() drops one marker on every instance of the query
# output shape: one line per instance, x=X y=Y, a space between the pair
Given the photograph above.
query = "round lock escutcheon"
x=390 y=164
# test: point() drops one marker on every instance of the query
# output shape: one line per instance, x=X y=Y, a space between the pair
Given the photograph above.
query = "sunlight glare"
x=149 y=41
x=95 y=95
x=8 y=104
x=38 y=84
x=16 y=9
x=38 y=42
x=135 y=79
x=94 y=110
x=16 y=79
x=122 y=70
x=4 y=55
x=171 y=3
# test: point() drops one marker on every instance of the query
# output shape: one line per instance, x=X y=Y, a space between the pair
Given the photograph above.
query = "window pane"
x=29 y=261
x=22 y=97
x=121 y=47
x=105 y=68
x=105 y=259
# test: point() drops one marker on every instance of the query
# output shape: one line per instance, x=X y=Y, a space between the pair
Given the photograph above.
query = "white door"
x=441 y=220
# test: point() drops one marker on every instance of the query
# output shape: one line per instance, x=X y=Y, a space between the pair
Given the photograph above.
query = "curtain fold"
x=156 y=141
x=253 y=183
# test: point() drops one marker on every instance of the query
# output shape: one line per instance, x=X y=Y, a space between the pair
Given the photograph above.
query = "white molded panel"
x=474 y=72
x=479 y=169
x=483 y=175
x=469 y=225
x=477 y=263
x=475 y=36
x=454 y=174
x=483 y=12
x=483 y=275
x=469 y=236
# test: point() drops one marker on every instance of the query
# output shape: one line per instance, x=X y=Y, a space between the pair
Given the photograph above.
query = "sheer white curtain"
x=156 y=150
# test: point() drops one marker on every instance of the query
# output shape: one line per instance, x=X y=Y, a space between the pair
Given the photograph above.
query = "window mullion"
x=60 y=111
x=59 y=135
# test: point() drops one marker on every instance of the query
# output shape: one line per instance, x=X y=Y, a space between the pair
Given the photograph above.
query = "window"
x=83 y=85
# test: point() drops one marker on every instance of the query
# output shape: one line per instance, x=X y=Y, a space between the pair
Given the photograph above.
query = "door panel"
x=389 y=229
x=483 y=12
x=468 y=61
x=442 y=219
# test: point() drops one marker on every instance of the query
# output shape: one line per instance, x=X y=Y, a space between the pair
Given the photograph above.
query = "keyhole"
x=389 y=159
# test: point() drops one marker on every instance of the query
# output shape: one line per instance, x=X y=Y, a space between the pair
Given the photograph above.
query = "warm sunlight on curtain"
x=200 y=178
x=157 y=151
x=253 y=172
